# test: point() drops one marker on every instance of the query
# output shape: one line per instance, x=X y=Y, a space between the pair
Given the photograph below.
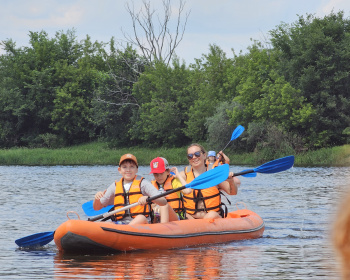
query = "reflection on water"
x=297 y=207
x=195 y=263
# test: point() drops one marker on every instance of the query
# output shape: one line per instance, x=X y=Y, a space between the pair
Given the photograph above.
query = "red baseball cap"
x=159 y=165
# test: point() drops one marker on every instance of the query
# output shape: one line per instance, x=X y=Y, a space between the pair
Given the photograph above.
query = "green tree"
x=163 y=94
x=207 y=89
x=115 y=107
x=72 y=115
x=313 y=57
x=46 y=89
x=26 y=85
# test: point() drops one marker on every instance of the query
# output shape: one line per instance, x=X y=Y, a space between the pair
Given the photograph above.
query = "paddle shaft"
x=226 y=146
x=149 y=199
x=244 y=172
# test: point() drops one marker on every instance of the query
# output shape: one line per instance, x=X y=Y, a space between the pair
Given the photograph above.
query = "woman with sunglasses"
x=206 y=203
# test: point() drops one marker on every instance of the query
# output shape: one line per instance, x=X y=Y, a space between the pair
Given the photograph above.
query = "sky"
x=230 y=24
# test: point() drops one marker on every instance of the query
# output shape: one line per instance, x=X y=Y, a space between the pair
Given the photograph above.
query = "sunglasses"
x=197 y=154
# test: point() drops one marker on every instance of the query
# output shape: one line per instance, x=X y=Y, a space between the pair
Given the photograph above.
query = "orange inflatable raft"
x=78 y=236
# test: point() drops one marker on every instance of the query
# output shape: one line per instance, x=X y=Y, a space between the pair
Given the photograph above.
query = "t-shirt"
x=176 y=184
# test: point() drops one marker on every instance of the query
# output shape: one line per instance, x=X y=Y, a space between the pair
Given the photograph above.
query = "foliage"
x=272 y=141
x=291 y=96
x=47 y=88
x=219 y=130
x=114 y=106
x=313 y=57
x=208 y=78
x=163 y=94
x=265 y=97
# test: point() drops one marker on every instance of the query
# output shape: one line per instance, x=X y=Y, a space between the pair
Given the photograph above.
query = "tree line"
x=290 y=93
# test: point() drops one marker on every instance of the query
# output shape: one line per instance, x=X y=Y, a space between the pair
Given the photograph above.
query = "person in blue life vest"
x=204 y=203
x=164 y=181
x=128 y=190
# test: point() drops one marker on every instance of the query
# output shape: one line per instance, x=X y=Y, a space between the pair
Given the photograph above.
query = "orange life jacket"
x=211 y=197
x=173 y=199
x=134 y=194
x=212 y=165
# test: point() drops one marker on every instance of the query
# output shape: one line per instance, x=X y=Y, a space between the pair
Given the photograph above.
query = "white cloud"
x=227 y=23
x=334 y=5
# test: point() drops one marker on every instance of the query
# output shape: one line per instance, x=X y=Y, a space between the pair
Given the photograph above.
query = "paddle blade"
x=210 y=178
x=276 y=165
x=37 y=239
x=237 y=132
x=90 y=211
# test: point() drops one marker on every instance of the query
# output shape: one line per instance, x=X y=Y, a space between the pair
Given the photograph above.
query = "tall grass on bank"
x=335 y=156
x=99 y=154
x=88 y=154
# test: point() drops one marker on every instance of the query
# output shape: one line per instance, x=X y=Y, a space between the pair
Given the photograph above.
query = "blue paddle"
x=36 y=240
x=270 y=167
x=235 y=134
x=90 y=211
x=206 y=180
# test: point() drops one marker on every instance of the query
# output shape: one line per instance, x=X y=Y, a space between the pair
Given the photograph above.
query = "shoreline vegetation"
x=98 y=153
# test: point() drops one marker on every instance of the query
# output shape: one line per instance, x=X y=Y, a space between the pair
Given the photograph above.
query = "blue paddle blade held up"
x=235 y=134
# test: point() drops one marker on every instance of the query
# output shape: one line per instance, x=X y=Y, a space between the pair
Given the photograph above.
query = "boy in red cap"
x=165 y=181
x=128 y=190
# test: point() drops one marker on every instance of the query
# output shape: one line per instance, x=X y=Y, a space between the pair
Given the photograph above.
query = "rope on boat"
x=72 y=212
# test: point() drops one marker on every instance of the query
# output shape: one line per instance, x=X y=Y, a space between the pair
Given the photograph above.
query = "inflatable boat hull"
x=92 y=237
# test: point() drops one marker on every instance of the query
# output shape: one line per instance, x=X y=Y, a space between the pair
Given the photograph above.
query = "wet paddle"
x=270 y=167
x=36 y=240
x=206 y=180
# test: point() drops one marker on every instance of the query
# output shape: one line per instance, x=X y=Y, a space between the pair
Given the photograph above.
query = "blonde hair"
x=341 y=235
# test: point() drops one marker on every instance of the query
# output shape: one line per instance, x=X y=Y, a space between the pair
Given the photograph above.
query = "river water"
x=297 y=206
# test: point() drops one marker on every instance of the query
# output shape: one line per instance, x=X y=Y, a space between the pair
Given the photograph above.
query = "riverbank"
x=99 y=154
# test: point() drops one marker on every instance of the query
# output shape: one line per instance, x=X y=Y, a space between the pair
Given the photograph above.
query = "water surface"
x=297 y=206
